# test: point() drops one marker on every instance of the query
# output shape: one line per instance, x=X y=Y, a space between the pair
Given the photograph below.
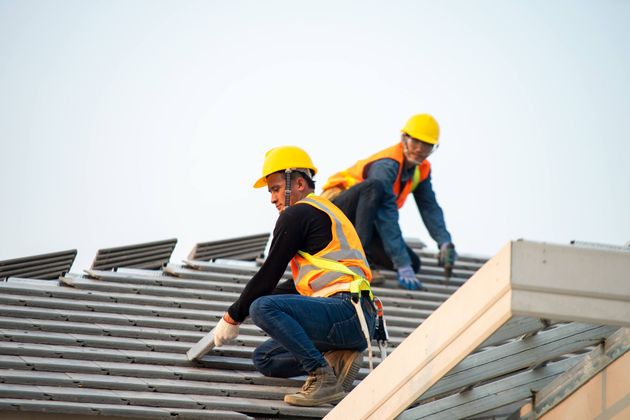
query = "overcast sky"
x=130 y=121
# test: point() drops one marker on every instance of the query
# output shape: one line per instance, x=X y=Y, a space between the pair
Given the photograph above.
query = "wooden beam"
x=464 y=321
x=568 y=283
x=530 y=279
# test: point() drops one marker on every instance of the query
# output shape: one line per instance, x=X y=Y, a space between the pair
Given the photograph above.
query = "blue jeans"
x=360 y=204
x=302 y=328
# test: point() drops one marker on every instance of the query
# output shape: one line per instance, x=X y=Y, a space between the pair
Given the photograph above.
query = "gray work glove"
x=407 y=279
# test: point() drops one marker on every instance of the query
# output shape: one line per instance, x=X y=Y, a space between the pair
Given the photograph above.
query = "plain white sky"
x=132 y=121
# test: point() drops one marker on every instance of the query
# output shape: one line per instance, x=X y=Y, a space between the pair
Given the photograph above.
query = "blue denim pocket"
x=347 y=334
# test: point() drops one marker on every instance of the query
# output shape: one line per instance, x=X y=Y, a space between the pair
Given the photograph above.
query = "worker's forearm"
x=431 y=212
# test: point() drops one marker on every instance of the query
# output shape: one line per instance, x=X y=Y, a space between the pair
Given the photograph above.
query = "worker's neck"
x=303 y=194
x=407 y=164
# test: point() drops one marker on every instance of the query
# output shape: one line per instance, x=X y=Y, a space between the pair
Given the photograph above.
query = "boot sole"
x=351 y=373
x=302 y=402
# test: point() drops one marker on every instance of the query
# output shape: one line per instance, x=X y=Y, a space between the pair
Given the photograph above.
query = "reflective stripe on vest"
x=416 y=178
x=345 y=249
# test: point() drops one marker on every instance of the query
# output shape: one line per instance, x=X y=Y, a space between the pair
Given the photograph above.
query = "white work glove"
x=407 y=279
x=225 y=332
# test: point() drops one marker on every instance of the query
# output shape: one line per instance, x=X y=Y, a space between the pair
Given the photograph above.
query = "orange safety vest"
x=345 y=247
x=356 y=174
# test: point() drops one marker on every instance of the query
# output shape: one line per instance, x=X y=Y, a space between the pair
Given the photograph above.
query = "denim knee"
x=261 y=361
x=258 y=308
x=260 y=356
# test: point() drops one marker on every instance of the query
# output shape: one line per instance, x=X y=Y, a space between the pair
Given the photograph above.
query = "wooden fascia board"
x=568 y=283
x=454 y=330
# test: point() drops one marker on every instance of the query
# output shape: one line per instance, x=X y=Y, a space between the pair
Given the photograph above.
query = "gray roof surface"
x=114 y=343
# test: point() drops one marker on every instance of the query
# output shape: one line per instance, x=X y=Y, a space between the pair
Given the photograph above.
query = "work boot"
x=346 y=365
x=321 y=387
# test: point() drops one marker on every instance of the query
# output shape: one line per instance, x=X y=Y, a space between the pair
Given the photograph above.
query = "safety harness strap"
x=358 y=285
x=364 y=328
x=287 y=188
x=416 y=178
x=380 y=333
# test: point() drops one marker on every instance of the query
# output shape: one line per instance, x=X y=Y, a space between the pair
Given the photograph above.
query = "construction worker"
x=319 y=320
x=371 y=192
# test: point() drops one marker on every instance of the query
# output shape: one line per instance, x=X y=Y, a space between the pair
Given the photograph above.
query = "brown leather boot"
x=321 y=387
x=346 y=365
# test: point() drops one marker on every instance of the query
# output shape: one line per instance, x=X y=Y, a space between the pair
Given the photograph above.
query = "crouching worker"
x=318 y=322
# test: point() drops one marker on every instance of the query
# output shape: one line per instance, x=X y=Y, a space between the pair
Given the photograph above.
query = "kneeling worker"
x=373 y=189
x=321 y=329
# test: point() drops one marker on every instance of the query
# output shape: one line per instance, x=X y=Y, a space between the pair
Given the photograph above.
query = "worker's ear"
x=301 y=183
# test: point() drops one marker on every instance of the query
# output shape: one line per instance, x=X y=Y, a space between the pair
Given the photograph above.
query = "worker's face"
x=416 y=151
x=276 y=186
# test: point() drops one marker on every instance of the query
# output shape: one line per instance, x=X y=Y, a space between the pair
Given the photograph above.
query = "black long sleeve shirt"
x=300 y=227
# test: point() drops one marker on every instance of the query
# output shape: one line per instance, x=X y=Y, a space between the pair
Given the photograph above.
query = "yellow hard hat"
x=284 y=157
x=423 y=127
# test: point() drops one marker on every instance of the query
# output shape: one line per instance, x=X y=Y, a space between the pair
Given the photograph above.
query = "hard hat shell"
x=423 y=127
x=281 y=158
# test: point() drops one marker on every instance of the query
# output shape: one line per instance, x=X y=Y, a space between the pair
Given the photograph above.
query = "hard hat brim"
x=261 y=182
x=426 y=140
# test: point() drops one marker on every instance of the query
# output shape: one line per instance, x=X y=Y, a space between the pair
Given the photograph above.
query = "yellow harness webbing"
x=415 y=180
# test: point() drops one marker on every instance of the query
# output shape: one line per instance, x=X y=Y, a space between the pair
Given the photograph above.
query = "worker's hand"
x=407 y=279
x=447 y=255
x=225 y=331
x=331 y=193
